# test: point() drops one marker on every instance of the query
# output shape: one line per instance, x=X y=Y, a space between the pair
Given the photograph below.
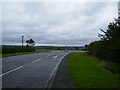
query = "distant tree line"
x=108 y=48
x=16 y=49
x=60 y=47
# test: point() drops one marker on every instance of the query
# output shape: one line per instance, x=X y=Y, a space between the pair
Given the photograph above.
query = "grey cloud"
x=55 y=23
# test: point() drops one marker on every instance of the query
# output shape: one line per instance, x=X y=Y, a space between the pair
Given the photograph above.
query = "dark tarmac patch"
x=63 y=78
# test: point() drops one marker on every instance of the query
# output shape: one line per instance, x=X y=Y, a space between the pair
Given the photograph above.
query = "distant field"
x=86 y=72
x=14 y=54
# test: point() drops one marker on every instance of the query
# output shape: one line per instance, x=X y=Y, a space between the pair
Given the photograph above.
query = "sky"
x=56 y=23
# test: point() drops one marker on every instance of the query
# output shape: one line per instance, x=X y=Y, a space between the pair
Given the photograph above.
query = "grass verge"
x=86 y=72
x=22 y=53
x=111 y=66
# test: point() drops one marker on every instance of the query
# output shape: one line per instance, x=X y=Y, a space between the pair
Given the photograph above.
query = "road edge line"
x=53 y=74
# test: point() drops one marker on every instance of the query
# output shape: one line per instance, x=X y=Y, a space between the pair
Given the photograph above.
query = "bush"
x=17 y=49
x=108 y=48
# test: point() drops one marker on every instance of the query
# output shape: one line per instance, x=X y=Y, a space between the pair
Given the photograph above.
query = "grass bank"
x=111 y=66
x=22 y=53
x=87 y=73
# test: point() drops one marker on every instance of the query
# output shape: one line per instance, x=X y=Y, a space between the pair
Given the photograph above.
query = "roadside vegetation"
x=86 y=72
x=22 y=53
x=74 y=48
x=99 y=67
x=20 y=50
x=108 y=48
x=17 y=49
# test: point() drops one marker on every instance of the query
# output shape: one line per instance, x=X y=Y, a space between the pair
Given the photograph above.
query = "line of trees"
x=108 y=48
x=16 y=49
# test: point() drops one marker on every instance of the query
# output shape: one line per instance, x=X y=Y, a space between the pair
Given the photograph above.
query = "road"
x=31 y=70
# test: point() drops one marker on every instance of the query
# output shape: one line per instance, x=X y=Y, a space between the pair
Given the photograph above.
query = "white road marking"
x=53 y=73
x=55 y=56
x=11 y=71
x=17 y=68
x=36 y=60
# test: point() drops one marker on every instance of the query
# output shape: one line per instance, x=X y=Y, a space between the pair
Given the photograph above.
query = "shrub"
x=108 y=48
x=17 y=49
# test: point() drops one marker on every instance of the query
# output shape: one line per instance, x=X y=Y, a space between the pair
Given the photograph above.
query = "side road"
x=62 y=78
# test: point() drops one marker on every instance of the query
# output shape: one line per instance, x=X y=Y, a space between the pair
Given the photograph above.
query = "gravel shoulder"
x=62 y=78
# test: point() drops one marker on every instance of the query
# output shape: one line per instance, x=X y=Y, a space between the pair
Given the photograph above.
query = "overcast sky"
x=56 y=23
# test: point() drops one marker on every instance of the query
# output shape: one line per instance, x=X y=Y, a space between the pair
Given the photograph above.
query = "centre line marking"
x=11 y=71
x=36 y=60
x=55 y=56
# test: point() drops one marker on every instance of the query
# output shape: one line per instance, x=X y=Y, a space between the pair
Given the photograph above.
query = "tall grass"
x=111 y=66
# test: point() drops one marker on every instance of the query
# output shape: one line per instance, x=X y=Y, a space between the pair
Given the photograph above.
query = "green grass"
x=22 y=53
x=86 y=72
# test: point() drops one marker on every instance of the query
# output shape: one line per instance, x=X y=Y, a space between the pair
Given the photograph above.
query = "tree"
x=30 y=42
x=113 y=31
x=27 y=41
x=111 y=39
x=108 y=48
x=77 y=48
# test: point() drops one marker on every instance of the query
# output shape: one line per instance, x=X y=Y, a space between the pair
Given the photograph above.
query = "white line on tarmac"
x=36 y=60
x=17 y=68
x=53 y=73
x=55 y=56
x=11 y=71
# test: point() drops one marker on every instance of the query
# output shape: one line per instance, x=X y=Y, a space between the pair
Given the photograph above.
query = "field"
x=86 y=72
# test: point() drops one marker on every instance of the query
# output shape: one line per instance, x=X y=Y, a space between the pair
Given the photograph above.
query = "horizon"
x=46 y=45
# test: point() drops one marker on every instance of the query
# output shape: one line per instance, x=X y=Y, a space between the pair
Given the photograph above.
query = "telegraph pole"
x=22 y=40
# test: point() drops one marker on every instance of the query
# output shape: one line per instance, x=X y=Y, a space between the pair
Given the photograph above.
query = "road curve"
x=31 y=70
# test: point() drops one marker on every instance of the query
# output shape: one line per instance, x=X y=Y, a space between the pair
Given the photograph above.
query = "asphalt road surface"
x=30 y=71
